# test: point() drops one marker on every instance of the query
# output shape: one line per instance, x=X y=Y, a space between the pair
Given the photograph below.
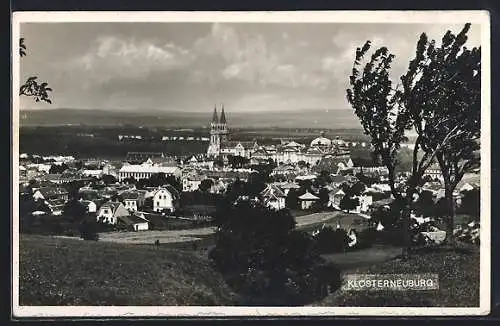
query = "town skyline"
x=172 y=67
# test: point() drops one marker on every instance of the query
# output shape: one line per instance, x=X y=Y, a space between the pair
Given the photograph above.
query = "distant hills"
x=311 y=118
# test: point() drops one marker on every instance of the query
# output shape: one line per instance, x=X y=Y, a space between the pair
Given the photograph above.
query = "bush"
x=395 y=237
x=262 y=257
x=329 y=240
x=365 y=238
x=88 y=230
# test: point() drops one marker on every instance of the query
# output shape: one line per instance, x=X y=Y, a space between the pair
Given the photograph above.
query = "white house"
x=111 y=211
x=137 y=222
x=90 y=206
x=163 y=200
x=191 y=182
x=307 y=199
x=273 y=197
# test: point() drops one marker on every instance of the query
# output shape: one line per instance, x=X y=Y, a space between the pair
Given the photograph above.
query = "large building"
x=218 y=133
x=146 y=170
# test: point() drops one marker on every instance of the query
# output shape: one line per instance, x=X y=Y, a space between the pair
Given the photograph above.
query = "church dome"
x=321 y=141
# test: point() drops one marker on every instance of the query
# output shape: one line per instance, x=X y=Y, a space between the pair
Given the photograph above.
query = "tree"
x=471 y=203
x=31 y=87
x=324 y=197
x=387 y=112
x=74 y=210
x=292 y=199
x=259 y=252
x=205 y=185
x=108 y=179
x=425 y=205
x=447 y=94
x=348 y=203
x=323 y=179
x=89 y=230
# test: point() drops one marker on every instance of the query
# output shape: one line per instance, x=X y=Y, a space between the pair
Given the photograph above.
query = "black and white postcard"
x=251 y=163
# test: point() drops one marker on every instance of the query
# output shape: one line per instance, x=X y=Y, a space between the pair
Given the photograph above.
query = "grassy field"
x=458 y=271
x=76 y=272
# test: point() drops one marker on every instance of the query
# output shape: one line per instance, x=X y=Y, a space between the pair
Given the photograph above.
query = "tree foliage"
x=443 y=89
x=437 y=97
x=263 y=256
x=32 y=87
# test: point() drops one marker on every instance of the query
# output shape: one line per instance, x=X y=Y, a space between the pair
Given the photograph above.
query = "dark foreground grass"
x=76 y=272
x=458 y=271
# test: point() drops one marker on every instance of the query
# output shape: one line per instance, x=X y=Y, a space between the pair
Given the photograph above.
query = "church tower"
x=218 y=133
x=224 y=132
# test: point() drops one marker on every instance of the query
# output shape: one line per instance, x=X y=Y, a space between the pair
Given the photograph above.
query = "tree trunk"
x=451 y=214
x=405 y=211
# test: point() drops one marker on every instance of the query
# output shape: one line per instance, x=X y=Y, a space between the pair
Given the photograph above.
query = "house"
x=49 y=193
x=131 y=200
x=335 y=196
x=273 y=197
x=365 y=202
x=163 y=200
x=56 y=206
x=289 y=185
x=90 y=206
x=307 y=199
x=136 y=222
x=337 y=180
x=111 y=211
x=191 y=182
x=434 y=172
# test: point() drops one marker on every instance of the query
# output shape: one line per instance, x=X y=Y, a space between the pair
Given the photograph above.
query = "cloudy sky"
x=192 y=66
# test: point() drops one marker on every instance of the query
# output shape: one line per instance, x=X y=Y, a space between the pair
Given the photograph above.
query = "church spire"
x=222 y=115
x=215 y=118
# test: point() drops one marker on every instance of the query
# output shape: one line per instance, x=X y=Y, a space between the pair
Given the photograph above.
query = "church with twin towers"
x=218 y=132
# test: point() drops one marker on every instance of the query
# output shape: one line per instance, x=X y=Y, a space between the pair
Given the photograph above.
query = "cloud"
x=113 y=57
x=249 y=58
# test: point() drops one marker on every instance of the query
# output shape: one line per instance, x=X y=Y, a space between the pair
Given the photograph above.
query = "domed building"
x=321 y=142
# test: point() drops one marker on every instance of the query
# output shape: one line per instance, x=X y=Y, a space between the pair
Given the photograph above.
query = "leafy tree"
x=292 y=199
x=348 y=203
x=425 y=205
x=255 y=184
x=329 y=240
x=205 y=185
x=259 y=252
x=448 y=96
x=237 y=161
x=324 y=197
x=89 y=230
x=108 y=179
x=32 y=88
x=387 y=112
x=366 y=179
x=471 y=203
x=74 y=210
x=130 y=180
x=323 y=179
